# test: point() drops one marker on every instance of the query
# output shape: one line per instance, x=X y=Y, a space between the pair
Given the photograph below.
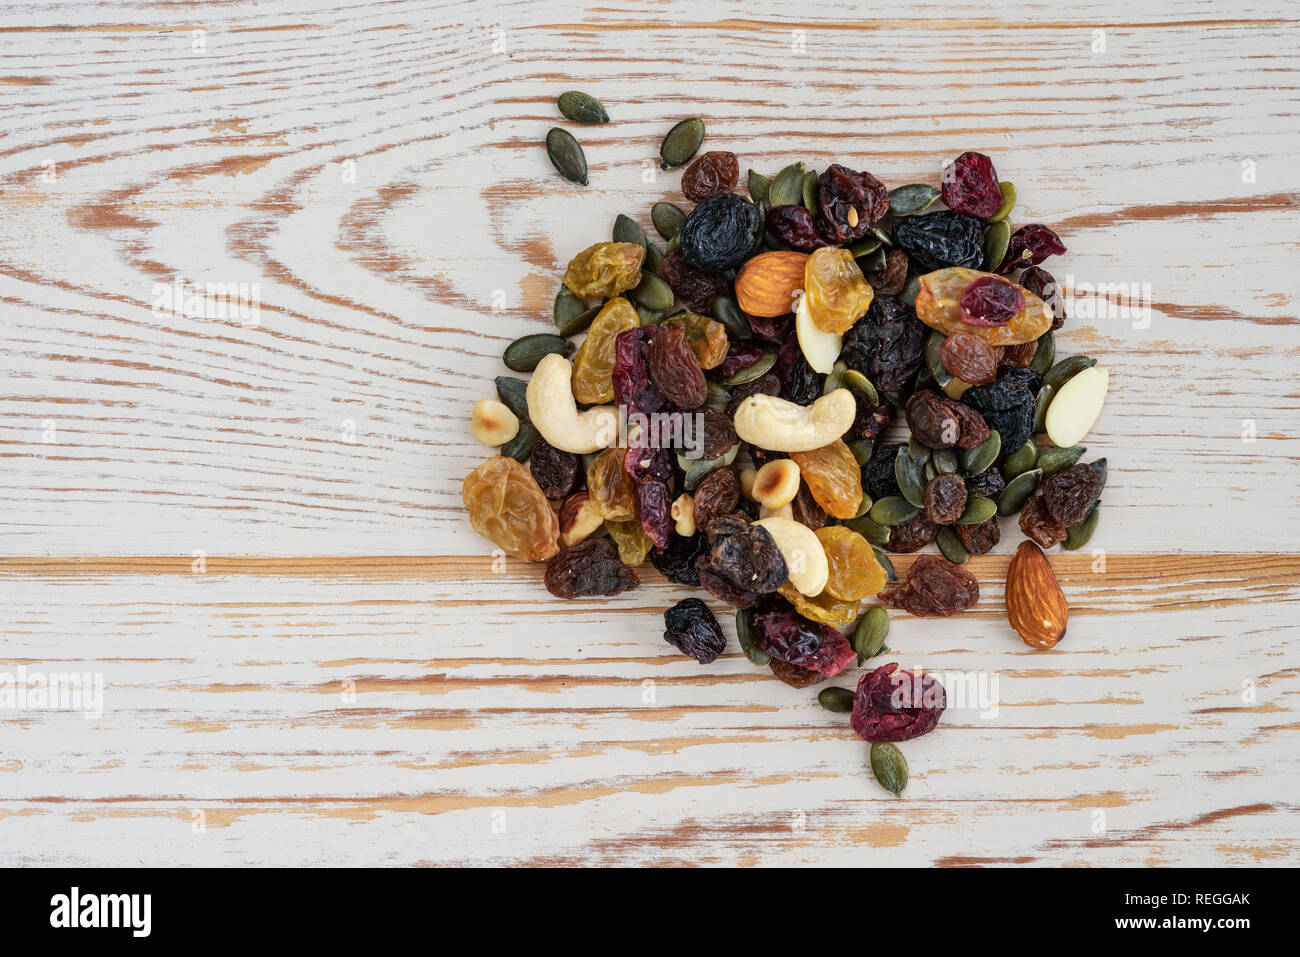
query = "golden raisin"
x=610 y=487
x=825 y=608
x=855 y=573
x=507 y=506
x=833 y=477
x=632 y=541
x=593 y=364
x=604 y=270
x=838 y=294
x=708 y=338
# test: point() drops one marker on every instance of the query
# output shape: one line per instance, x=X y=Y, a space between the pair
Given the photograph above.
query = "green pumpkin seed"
x=978 y=509
x=727 y=311
x=920 y=454
x=1067 y=369
x=566 y=307
x=933 y=344
x=885 y=563
x=521 y=446
x=889 y=767
x=626 y=230
x=864 y=247
x=1041 y=402
x=945 y=461
x=810 y=191
x=654 y=257
x=864 y=506
x=870 y=634
x=1017 y=492
x=717 y=397
x=653 y=293
x=697 y=469
x=950 y=545
x=565 y=154
x=834 y=378
x=912 y=198
x=1021 y=460
x=759 y=187
x=873 y=261
x=1079 y=534
x=764 y=363
x=1055 y=460
x=748 y=640
x=1008 y=202
x=862 y=449
x=893 y=510
x=913 y=288
x=523 y=354
x=580 y=322
x=681 y=143
x=981 y=458
x=931 y=471
x=910 y=476
x=996 y=240
x=581 y=107
x=667 y=218
x=871 y=530
x=855 y=380
x=884 y=237
x=1099 y=467
x=649 y=317
x=955 y=388
x=674 y=243
x=513 y=394
x=787 y=188
x=1044 y=354
x=836 y=699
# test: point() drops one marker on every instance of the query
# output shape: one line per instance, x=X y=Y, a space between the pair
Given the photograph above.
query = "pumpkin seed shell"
x=910 y=476
x=787 y=188
x=1079 y=534
x=996 y=240
x=565 y=154
x=870 y=634
x=759 y=187
x=1017 y=492
x=1044 y=354
x=945 y=461
x=667 y=219
x=871 y=530
x=580 y=322
x=893 y=510
x=978 y=509
x=524 y=353
x=950 y=545
x=1055 y=460
x=860 y=384
x=1021 y=460
x=764 y=363
x=748 y=640
x=1008 y=202
x=513 y=394
x=836 y=699
x=521 y=446
x=862 y=449
x=582 y=107
x=653 y=293
x=912 y=198
x=626 y=230
x=889 y=766
x=981 y=458
x=1067 y=369
x=681 y=143
x=1041 y=402
x=886 y=564
x=810 y=191
x=727 y=311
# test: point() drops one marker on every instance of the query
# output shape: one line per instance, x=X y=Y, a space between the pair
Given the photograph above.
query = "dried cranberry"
x=1029 y=246
x=772 y=328
x=1041 y=283
x=691 y=286
x=784 y=633
x=794 y=226
x=871 y=420
x=849 y=203
x=713 y=173
x=632 y=386
x=893 y=705
x=740 y=355
x=970 y=185
x=644 y=463
x=690 y=627
x=654 y=506
x=990 y=301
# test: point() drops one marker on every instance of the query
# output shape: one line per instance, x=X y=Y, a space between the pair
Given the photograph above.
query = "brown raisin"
x=1070 y=493
x=934 y=588
x=674 y=369
x=713 y=173
x=938 y=422
x=805 y=509
x=591 y=568
x=969 y=358
x=1038 y=524
x=717 y=495
x=945 y=498
x=1019 y=355
x=891 y=280
x=793 y=675
x=556 y=471
x=979 y=538
x=690 y=285
x=912 y=535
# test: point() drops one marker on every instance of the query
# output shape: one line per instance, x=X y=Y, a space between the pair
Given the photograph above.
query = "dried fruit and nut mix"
x=723 y=417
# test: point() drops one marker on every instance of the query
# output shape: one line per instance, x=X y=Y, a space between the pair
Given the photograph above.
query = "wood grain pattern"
x=382 y=693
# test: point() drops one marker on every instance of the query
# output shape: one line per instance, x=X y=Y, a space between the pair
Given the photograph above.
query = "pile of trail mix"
x=725 y=418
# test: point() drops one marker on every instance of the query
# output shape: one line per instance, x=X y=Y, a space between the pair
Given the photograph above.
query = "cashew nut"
x=683 y=513
x=554 y=412
x=492 y=422
x=803 y=553
x=768 y=422
x=777 y=483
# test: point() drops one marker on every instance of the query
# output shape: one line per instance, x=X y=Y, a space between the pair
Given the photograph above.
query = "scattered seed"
x=910 y=291
x=759 y=185
x=653 y=257
x=649 y=317
x=855 y=380
x=787 y=188
x=864 y=247
x=834 y=378
x=748 y=640
x=626 y=230
x=513 y=393
x=978 y=509
x=864 y=506
x=889 y=766
x=1099 y=467
x=1008 y=202
x=667 y=219
x=910 y=475
x=717 y=397
x=1055 y=460
x=1079 y=534
x=521 y=446
x=653 y=293
x=884 y=237
x=996 y=240
x=764 y=364
x=1044 y=354
x=873 y=261
x=567 y=307
x=1067 y=369
x=912 y=198
x=931 y=472
x=1021 y=460
x=870 y=634
x=697 y=469
x=523 y=354
x=945 y=461
x=893 y=510
x=582 y=107
x=919 y=453
x=565 y=154
x=580 y=322
x=681 y=143
x=836 y=699
x=950 y=545
x=1017 y=492
x=727 y=311
x=981 y=458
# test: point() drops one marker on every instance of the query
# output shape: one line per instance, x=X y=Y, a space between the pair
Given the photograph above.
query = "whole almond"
x=766 y=285
x=1035 y=604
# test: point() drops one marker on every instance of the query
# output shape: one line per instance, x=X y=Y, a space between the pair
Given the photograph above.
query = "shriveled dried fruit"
x=593 y=364
x=938 y=305
x=890 y=280
x=717 y=495
x=579 y=518
x=887 y=345
x=556 y=471
x=696 y=289
x=934 y=588
x=794 y=226
x=1020 y=355
x=707 y=337
x=604 y=270
x=854 y=571
x=675 y=370
x=1041 y=283
x=979 y=538
x=719 y=232
x=690 y=627
x=945 y=238
x=610 y=487
x=1030 y=245
x=742 y=564
x=1070 y=493
x=677 y=561
x=824 y=609
x=633 y=388
x=506 y=506
x=785 y=634
x=837 y=293
x=940 y=423
x=970 y=185
x=1038 y=523
x=793 y=675
x=849 y=203
x=945 y=499
x=591 y=568
x=653 y=508
x=716 y=433
x=894 y=705
x=911 y=535
x=833 y=477
x=969 y=358
x=1007 y=404
x=805 y=510
x=709 y=175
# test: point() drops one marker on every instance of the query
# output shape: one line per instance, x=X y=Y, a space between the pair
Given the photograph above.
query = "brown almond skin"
x=1036 y=605
x=765 y=286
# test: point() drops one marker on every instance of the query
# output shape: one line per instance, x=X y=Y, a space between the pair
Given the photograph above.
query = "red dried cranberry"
x=632 y=386
x=794 y=226
x=1029 y=246
x=893 y=705
x=784 y=633
x=740 y=355
x=654 y=506
x=970 y=185
x=775 y=328
x=990 y=301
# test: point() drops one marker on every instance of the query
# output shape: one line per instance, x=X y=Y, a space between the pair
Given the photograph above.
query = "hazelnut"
x=683 y=512
x=777 y=483
x=492 y=423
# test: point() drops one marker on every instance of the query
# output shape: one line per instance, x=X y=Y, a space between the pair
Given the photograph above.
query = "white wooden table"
x=254 y=531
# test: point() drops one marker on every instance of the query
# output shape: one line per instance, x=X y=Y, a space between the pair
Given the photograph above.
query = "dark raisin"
x=878 y=476
x=690 y=627
x=871 y=420
x=1040 y=282
x=887 y=345
x=793 y=675
x=1007 y=404
x=794 y=226
x=555 y=470
x=1029 y=246
x=938 y=422
x=589 y=568
x=799 y=383
x=934 y=588
x=719 y=233
x=890 y=280
x=740 y=356
x=716 y=433
x=945 y=238
x=912 y=535
x=849 y=203
x=1020 y=355
x=945 y=498
x=990 y=301
x=805 y=510
x=988 y=484
x=694 y=288
x=894 y=705
x=784 y=633
x=970 y=186
x=1069 y=493
x=766 y=384
x=633 y=388
x=677 y=561
x=979 y=538
x=717 y=495
x=1038 y=523
x=711 y=174
x=742 y=564
x=675 y=370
